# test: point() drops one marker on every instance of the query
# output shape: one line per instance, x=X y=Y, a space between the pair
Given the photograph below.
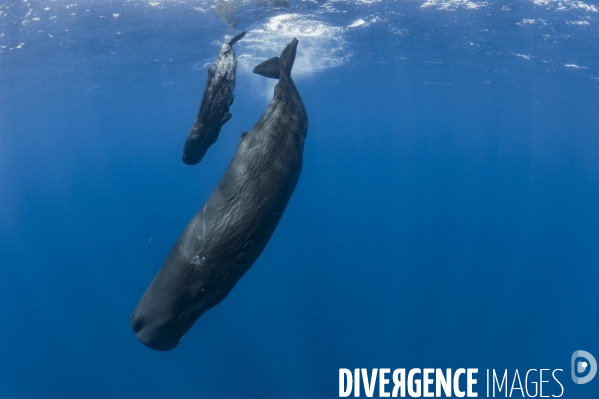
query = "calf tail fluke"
x=235 y=39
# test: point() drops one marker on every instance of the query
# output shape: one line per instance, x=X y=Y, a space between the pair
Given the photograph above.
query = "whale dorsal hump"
x=270 y=68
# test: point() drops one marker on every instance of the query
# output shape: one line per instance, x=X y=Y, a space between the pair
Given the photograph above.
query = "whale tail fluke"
x=235 y=39
x=288 y=57
x=272 y=67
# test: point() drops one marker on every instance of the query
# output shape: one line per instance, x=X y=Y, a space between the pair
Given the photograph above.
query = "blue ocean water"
x=447 y=214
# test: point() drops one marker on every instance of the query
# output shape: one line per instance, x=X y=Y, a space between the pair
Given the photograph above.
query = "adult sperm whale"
x=224 y=239
x=214 y=109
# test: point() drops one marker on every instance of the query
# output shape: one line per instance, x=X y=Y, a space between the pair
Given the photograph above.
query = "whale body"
x=216 y=101
x=224 y=239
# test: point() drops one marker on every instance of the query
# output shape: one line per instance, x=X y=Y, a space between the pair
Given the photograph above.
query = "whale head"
x=167 y=310
x=158 y=329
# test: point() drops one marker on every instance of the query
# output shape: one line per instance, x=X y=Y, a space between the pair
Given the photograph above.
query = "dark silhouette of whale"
x=214 y=109
x=224 y=239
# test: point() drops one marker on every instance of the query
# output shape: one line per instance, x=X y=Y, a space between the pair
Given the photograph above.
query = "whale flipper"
x=226 y=118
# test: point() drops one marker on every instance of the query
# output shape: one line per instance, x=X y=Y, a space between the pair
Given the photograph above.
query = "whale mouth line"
x=184 y=335
x=161 y=335
x=157 y=343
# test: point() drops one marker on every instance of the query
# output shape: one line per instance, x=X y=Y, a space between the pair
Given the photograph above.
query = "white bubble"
x=321 y=45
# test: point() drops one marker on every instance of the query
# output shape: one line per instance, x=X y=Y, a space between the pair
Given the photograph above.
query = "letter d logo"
x=580 y=366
